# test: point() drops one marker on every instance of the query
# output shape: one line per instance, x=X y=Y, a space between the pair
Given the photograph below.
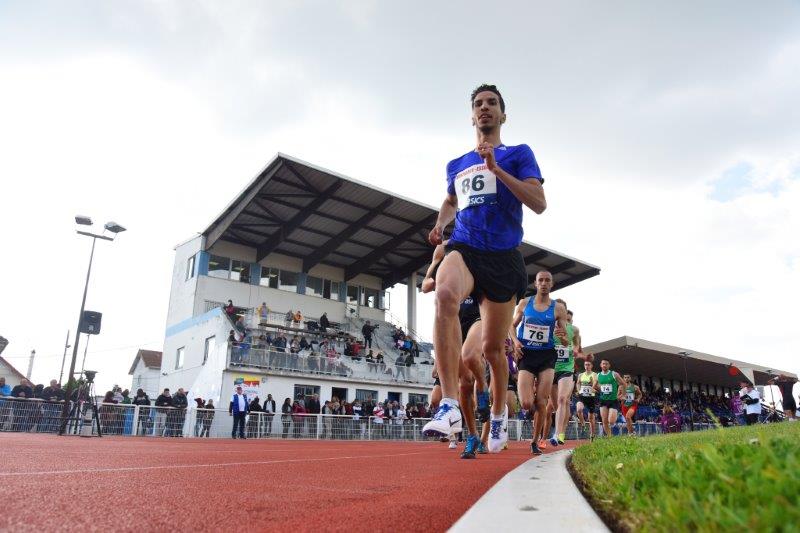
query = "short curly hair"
x=490 y=88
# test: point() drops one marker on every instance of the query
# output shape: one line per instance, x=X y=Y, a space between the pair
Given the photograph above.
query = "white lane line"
x=208 y=465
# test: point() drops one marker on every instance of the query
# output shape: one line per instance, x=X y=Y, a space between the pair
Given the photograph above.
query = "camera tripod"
x=85 y=399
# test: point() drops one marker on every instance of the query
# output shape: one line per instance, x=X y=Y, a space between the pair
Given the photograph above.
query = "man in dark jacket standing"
x=324 y=323
x=180 y=402
x=238 y=408
x=367 y=330
x=164 y=401
x=143 y=401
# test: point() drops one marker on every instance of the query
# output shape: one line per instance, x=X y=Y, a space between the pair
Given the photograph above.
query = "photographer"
x=752 y=402
x=367 y=331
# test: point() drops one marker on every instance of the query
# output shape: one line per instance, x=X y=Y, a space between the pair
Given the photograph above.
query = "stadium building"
x=303 y=238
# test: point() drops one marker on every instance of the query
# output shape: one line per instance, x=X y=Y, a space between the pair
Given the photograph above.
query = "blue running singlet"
x=489 y=216
x=536 y=330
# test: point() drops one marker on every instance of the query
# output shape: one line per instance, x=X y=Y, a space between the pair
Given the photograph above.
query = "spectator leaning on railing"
x=752 y=402
x=5 y=389
x=208 y=419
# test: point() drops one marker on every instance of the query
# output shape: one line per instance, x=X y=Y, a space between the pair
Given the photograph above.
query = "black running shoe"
x=535 y=449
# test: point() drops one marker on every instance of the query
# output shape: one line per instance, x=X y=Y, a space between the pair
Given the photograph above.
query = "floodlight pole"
x=63 y=360
x=68 y=390
x=685 y=356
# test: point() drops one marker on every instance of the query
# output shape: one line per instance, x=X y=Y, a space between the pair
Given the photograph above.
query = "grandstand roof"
x=150 y=358
x=301 y=210
x=653 y=359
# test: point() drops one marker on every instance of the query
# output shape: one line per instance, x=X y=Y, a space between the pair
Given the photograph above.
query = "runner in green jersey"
x=585 y=390
x=610 y=386
x=564 y=379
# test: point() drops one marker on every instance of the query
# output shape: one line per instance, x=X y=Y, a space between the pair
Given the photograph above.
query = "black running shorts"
x=589 y=402
x=512 y=385
x=560 y=375
x=611 y=404
x=436 y=382
x=500 y=276
x=535 y=361
x=466 y=323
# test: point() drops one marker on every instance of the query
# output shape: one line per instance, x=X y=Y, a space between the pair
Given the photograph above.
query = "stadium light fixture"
x=114 y=228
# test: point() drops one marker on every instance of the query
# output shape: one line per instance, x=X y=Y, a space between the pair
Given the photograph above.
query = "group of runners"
x=493 y=343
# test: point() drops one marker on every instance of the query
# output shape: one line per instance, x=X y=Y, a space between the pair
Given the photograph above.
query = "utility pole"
x=63 y=360
x=30 y=364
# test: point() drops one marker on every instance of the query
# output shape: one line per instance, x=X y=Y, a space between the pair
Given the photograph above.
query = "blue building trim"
x=190 y=322
x=202 y=263
x=255 y=274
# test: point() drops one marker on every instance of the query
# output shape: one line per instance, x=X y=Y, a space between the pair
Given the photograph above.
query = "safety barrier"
x=24 y=415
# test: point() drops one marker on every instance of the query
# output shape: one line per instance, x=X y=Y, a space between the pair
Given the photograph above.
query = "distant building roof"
x=16 y=372
x=151 y=359
x=652 y=359
x=301 y=210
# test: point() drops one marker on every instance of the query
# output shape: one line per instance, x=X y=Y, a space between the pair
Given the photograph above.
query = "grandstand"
x=303 y=238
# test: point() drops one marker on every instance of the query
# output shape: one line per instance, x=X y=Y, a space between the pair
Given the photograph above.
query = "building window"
x=179 y=356
x=208 y=348
x=219 y=267
x=269 y=277
x=240 y=271
x=371 y=297
x=352 y=294
x=331 y=290
x=303 y=392
x=417 y=399
x=288 y=281
x=366 y=394
x=190 y=268
x=314 y=286
x=385 y=300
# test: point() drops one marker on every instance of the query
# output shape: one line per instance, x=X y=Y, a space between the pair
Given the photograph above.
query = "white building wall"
x=145 y=378
x=12 y=379
x=182 y=291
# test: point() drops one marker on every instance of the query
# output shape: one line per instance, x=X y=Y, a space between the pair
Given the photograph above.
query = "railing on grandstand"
x=276 y=318
x=306 y=362
x=28 y=415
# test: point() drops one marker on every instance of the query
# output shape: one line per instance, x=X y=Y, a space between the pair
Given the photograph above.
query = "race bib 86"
x=475 y=186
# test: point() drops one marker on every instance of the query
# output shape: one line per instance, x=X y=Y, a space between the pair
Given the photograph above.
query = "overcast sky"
x=668 y=136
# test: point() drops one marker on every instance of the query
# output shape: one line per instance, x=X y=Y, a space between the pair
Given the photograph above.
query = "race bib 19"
x=563 y=354
x=606 y=388
x=475 y=186
x=537 y=333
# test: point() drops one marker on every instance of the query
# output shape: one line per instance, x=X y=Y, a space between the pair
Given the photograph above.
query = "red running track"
x=145 y=484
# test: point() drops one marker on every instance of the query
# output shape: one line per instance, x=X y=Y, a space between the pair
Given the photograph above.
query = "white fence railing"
x=31 y=415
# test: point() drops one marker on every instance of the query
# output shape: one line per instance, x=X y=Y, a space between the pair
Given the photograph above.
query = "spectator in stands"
x=208 y=418
x=262 y=313
x=324 y=323
x=142 y=400
x=670 y=421
x=327 y=420
x=380 y=362
x=286 y=416
x=5 y=389
x=240 y=325
x=53 y=393
x=126 y=397
x=297 y=319
x=752 y=402
x=180 y=402
x=269 y=414
x=288 y=318
x=414 y=349
x=370 y=360
x=304 y=345
x=400 y=365
x=230 y=310
x=313 y=408
x=198 y=419
x=23 y=390
x=367 y=329
x=358 y=428
x=252 y=423
x=400 y=420
x=378 y=414
x=238 y=409
x=294 y=347
x=117 y=391
x=298 y=418
x=164 y=400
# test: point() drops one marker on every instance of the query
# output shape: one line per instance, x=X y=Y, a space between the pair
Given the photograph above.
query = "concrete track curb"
x=539 y=493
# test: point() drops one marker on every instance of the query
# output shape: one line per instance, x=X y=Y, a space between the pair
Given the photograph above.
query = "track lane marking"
x=207 y=465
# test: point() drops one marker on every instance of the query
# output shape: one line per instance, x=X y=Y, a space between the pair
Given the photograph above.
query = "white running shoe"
x=453 y=445
x=446 y=422
x=498 y=433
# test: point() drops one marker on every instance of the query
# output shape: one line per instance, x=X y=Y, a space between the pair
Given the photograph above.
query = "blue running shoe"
x=483 y=407
x=471 y=447
x=554 y=441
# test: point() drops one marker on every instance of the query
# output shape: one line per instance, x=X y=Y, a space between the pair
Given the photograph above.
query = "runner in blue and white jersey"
x=486 y=189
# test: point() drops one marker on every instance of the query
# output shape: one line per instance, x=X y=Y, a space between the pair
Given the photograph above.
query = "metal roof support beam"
x=236 y=210
x=561 y=267
x=325 y=249
x=335 y=218
x=575 y=279
x=538 y=256
x=268 y=246
x=289 y=166
x=360 y=266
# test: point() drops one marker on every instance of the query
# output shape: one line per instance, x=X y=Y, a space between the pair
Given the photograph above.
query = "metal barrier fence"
x=24 y=415
x=314 y=363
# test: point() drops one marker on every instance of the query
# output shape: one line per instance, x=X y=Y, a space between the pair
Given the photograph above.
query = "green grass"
x=735 y=479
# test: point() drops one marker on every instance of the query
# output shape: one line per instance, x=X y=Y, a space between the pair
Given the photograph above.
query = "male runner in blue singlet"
x=486 y=189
